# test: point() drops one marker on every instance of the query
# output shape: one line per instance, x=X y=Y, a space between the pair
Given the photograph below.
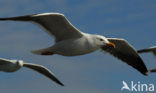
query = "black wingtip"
x=141 y=51
x=57 y=81
x=60 y=83
x=146 y=73
x=4 y=19
x=18 y=18
x=153 y=70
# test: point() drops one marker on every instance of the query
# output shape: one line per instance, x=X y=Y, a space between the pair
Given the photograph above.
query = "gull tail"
x=18 y=18
x=44 y=51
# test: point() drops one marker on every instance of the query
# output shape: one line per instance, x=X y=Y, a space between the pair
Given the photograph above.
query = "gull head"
x=102 y=41
x=19 y=63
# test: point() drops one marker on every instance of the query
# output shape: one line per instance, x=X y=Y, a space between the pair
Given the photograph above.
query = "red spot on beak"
x=111 y=44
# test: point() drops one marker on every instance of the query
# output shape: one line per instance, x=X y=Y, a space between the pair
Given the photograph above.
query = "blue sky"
x=133 y=20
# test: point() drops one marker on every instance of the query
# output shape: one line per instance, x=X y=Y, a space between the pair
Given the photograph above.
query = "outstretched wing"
x=4 y=61
x=44 y=71
x=125 y=52
x=55 y=24
x=151 y=49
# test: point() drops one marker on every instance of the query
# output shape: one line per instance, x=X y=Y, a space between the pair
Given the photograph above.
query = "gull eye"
x=101 y=39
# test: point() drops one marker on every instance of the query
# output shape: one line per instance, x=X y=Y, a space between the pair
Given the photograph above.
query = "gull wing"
x=41 y=69
x=153 y=70
x=125 y=52
x=55 y=24
x=4 y=61
x=151 y=49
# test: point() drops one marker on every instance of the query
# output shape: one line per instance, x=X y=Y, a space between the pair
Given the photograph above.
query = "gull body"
x=69 y=41
x=7 y=65
x=73 y=47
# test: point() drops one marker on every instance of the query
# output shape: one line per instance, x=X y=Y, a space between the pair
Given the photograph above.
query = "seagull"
x=69 y=41
x=151 y=49
x=7 y=65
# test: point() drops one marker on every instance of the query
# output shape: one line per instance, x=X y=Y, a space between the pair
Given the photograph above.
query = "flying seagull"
x=69 y=41
x=151 y=49
x=7 y=65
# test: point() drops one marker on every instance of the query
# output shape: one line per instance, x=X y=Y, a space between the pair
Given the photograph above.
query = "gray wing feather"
x=54 y=23
x=44 y=71
x=125 y=52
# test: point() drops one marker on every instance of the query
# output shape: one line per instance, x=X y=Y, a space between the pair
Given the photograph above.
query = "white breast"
x=74 y=47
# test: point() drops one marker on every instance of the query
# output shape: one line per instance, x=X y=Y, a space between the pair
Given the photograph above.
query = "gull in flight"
x=7 y=65
x=69 y=41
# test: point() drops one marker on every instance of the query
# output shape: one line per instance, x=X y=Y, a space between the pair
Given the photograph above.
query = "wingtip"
x=146 y=73
x=61 y=84
x=140 y=51
x=153 y=70
x=2 y=19
x=144 y=50
x=142 y=67
x=58 y=81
